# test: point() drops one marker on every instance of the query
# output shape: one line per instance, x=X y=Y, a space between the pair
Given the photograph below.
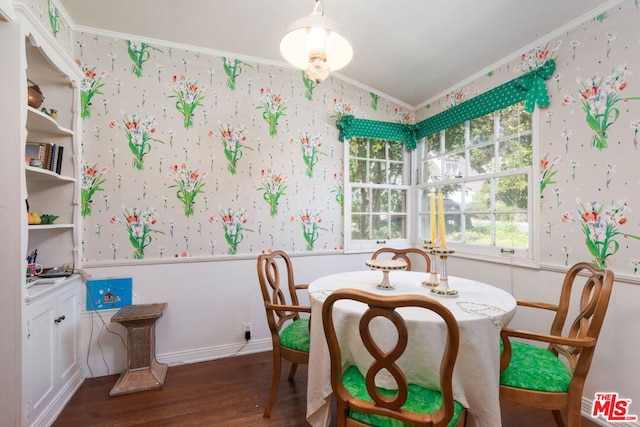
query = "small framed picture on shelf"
x=42 y=151
x=32 y=152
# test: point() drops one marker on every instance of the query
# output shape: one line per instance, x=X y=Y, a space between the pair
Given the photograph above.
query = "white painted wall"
x=208 y=302
x=203 y=320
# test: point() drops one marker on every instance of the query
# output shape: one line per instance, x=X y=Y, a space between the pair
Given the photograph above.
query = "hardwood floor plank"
x=230 y=392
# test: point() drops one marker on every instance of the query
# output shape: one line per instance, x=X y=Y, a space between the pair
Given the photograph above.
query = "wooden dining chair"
x=289 y=331
x=535 y=376
x=404 y=255
x=360 y=401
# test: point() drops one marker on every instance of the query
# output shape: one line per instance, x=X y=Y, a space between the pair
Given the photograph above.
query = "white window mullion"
x=509 y=132
x=384 y=217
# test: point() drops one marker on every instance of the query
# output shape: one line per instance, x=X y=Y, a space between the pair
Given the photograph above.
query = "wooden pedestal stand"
x=143 y=371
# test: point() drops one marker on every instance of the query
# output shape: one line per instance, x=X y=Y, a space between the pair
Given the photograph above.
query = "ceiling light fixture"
x=314 y=44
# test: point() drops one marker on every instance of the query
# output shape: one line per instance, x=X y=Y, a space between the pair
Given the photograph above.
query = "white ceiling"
x=410 y=50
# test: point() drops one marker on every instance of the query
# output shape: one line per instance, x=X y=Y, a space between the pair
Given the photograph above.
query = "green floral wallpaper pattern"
x=190 y=154
x=587 y=139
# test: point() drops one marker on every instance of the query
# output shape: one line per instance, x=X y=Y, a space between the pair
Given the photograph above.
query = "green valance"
x=349 y=127
x=530 y=88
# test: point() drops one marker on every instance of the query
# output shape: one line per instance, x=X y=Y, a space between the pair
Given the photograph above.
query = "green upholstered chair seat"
x=535 y=368
x=296 y=335
x=419 y=400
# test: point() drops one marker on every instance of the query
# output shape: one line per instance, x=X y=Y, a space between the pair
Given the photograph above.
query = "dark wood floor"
x=224 y=392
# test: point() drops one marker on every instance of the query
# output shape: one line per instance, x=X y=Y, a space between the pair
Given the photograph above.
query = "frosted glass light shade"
x=314 y=44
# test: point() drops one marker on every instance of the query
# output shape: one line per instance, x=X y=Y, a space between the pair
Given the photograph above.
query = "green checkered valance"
x=530 y=88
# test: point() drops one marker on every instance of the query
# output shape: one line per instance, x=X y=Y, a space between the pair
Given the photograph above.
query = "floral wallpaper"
x=48 y=14
x=187 y=154
x=588 y=139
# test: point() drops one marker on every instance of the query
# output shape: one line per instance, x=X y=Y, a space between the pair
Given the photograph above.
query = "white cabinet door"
x=67 y=323
x=52 y=370
x=40 y=356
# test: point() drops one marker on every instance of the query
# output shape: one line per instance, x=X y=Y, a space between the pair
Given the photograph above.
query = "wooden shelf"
x=49 y=226
x=44 y=175
x=46 y=325
x=39 y=122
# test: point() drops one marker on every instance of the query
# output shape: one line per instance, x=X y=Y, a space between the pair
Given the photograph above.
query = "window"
x=483 y=168
x=377 y=200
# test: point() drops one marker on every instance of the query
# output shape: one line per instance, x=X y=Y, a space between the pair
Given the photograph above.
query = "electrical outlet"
x=246 y=329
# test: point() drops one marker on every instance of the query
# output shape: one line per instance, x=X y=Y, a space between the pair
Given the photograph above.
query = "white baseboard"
x=212 y=353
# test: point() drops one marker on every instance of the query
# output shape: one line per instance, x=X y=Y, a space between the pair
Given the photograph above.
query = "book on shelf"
x=46 y=164
x=59 y=160
x=52 y=161
x=50 y=155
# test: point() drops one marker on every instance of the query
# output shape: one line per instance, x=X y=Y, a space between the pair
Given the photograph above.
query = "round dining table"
x=480 y=309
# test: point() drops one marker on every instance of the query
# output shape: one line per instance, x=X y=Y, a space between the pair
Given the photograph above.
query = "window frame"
x=518 y=256
x=370 y=245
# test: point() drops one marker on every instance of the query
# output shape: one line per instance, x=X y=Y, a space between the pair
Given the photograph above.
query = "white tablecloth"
x=480 y=309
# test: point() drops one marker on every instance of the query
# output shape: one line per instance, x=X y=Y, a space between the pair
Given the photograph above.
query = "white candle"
x=442 y=231
x=432 y=214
